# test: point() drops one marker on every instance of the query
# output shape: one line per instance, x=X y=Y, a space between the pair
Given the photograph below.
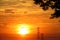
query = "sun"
x=23 y=29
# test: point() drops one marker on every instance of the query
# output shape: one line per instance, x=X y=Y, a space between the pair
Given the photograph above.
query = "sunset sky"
x=26 y=12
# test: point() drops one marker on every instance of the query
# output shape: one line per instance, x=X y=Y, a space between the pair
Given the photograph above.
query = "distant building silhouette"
x=42 y=36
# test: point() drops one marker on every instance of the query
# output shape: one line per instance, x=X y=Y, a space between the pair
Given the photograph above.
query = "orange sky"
x=25 y=12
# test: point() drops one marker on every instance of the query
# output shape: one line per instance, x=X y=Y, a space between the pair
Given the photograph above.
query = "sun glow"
x=23 y=29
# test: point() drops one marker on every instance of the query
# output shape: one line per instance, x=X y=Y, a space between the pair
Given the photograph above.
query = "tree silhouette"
x=54 y=4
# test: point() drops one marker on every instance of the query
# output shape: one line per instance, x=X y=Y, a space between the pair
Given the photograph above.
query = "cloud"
x=15 y=2
x=7 y=3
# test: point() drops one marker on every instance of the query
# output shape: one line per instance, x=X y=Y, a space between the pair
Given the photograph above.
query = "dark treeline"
x=54 y=4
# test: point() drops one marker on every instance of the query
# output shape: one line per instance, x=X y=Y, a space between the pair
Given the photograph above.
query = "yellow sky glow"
x=23 y=29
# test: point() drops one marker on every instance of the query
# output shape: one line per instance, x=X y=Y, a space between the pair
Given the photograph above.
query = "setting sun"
x=23 y=29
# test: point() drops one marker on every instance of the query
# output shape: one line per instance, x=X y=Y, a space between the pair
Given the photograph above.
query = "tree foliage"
x=54 y=4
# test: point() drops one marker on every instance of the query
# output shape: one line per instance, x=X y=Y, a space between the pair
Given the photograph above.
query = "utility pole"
x=40 y=36
x=38 y=33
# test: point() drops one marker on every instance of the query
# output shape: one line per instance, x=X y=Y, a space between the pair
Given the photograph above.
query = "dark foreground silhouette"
x=30 y=37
